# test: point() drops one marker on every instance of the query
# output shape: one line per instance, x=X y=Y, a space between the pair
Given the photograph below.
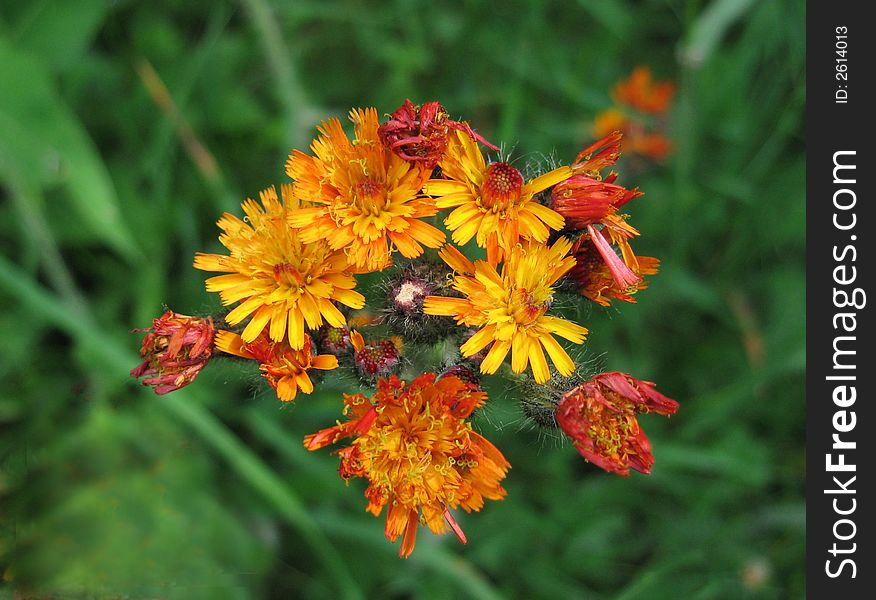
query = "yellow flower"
x=368 y=198
x=509 y=308
x=284 y=368
x=419 y=455
x=492 y=203
x=280 y=281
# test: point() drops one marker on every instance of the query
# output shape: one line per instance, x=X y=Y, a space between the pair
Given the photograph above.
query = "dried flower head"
x=174 y=351
x=600 y=418
x=281 y=282
x=284 y=368
x=419 y=133
x=419 y=455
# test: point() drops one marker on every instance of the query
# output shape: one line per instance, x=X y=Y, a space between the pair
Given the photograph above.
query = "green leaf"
x=43 y=144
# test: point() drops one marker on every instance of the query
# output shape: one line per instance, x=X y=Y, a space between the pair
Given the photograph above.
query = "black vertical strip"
x=840 y=117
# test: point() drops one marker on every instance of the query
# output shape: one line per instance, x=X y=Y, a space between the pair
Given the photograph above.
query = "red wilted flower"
x=595 y=280
x=174 y=351
x=376 y=358
x=420 y=456
x=600 y=417
x=283 y=367
x=586 y=201
x=419 y=133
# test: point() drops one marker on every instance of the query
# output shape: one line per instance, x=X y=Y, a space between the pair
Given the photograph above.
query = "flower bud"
x=377 y=358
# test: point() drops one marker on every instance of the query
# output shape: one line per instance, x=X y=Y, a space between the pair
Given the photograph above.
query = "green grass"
x=109 y=491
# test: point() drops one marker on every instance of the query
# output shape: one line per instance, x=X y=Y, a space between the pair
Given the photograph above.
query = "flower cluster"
x=525 y=247
x=640 y=111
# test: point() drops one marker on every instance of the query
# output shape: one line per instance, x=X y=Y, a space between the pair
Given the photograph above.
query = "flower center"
x=526 y=308
x=502 y=186
x=611 y=430
x=370 y=195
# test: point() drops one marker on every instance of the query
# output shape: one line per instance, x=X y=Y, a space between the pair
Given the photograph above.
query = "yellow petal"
x=493 y=360
x=520 y=351
x=257 y=324
x=539 y=365
x=478 y=341
x=562 y=361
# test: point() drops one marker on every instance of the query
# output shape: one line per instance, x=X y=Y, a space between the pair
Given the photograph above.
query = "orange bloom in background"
x=510 y=308
x=284 y=367
x=492 y=203
x=175 y=350
x=651 y=100
x=419 y=455
x=600 y=418
x=366 y=198
x=282 y=282
x=644 y=94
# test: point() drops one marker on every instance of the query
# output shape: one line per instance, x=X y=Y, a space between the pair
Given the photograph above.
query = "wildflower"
x=174 y=351
x=492 y=203
x=367 y=198
x=282 y=282
x=649 y=100
x=419 y=133
x=590 y=202
x=283 y=367
x=420 y=457
x=376 y=358
x=509 y=308
x=600 y=417
x=644 y=94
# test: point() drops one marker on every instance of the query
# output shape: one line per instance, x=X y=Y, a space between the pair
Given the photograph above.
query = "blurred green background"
x=107 y=191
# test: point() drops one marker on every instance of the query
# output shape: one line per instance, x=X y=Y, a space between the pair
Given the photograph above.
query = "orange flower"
x=645 y=97
x=492 y=203
x=420 y=457
x=283 y=367
x=600 y=417
x=175 y=351
x=367 y=198
x=510 y=308
x=644 y=94
x=280 y=281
